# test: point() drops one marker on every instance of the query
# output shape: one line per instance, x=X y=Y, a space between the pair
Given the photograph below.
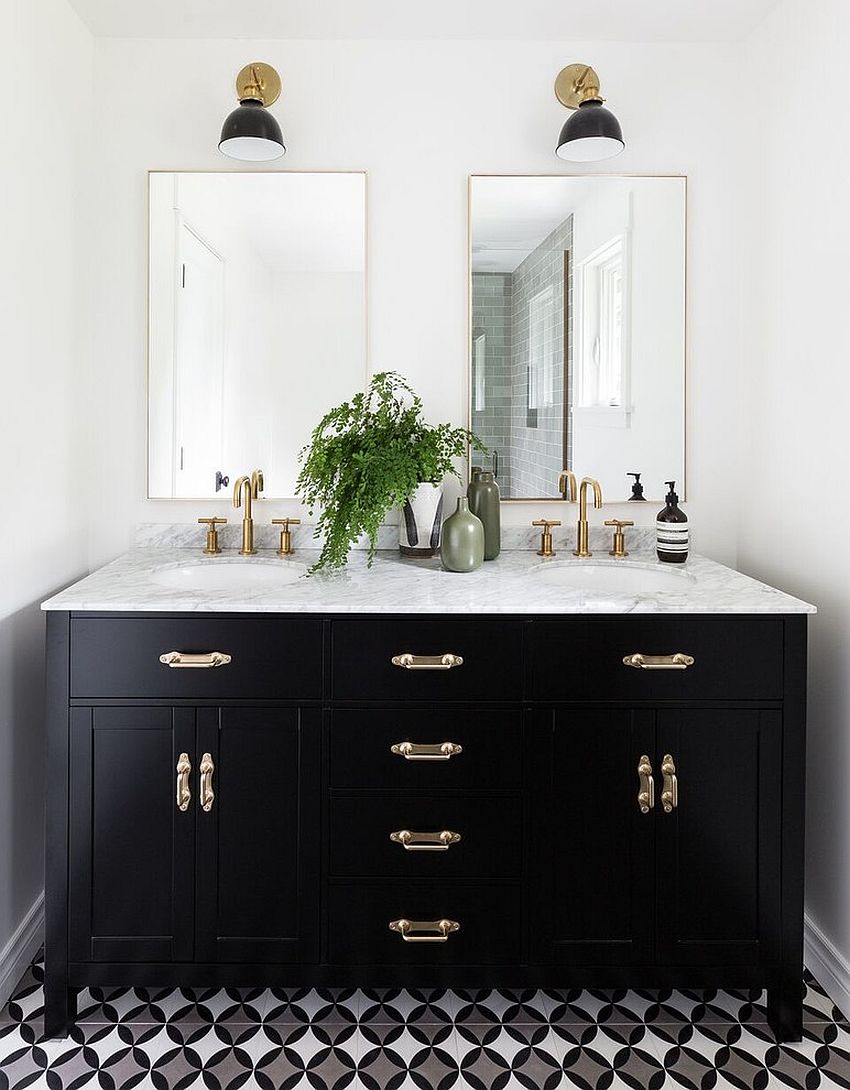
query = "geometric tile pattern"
x=330 y=1039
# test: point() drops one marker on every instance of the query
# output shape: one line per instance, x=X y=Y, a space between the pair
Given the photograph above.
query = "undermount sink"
x=614 y=577
x=230 y=575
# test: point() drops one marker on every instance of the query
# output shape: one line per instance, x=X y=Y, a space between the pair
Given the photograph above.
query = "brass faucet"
x=246 y=490
x=581 y=548
x=567 y=485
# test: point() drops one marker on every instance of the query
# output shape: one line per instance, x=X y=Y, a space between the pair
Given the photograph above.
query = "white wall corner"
x=21 y=948
x=828 y=965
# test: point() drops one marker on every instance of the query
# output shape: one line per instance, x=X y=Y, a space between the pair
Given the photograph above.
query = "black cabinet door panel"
x=131 y=848
x=257 y=859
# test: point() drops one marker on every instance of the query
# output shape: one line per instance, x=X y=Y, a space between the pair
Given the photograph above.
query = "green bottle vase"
x=462 y=545
x=485 y=503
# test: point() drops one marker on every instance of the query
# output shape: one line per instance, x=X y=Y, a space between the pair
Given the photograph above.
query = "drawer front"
x=270 y=658
x=735 y=658
x=362 y=743
x=490 y=922
x=478 y=837
x=363 y=652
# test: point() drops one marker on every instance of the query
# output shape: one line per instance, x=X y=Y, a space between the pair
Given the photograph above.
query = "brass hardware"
x=427 y=662
x=424 y=930
x=575 y=84
x=207 y=794
x=425 y=842
x=180 y=660
x=260 y=82
x=285 y=548
x=567 y=485
x=677 y=661
x=581 y=548
x=417 y=751
x=184 y=793
x=618 y=548
x=670 y=784
x=212 y=547
x=246 y=490
x=646 y=792
x=546 y=537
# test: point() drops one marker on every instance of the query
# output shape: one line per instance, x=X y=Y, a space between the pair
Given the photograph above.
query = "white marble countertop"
x=512 y=584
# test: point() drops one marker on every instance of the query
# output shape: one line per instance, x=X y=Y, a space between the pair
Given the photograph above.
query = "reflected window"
x=603 y=359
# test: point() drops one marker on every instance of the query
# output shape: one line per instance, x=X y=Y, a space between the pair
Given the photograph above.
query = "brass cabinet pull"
x=425 y=842
x=180 y=660
x=427 y=662
x=646 y=791
x=677 y=661
x=415 y=751
x=207 y=794
x=670 y=785
x=424 y=930
x=184 y=793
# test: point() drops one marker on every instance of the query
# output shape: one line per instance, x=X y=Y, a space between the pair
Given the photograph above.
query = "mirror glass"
x=577 y=331
x=256 y=322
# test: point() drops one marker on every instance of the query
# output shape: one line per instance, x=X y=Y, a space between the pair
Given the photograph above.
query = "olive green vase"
x=462 y=544
x=485 y=503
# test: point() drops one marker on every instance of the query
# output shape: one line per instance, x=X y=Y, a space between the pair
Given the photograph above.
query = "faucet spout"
x=567 y=485
x=245 y=491
x=582 y=529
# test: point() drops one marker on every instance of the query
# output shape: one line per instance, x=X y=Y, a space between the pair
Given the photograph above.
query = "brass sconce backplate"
x=258 y=81
x=572 y=84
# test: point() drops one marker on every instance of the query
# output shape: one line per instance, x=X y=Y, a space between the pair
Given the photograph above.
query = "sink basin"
x=614 y=577
x=230 y=575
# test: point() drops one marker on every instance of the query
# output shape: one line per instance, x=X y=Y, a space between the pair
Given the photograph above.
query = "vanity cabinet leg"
x=60 y=1008
x=785 y=1010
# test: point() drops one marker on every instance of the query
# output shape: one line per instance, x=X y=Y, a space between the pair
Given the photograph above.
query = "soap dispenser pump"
x=671 y=529
x=637 y=488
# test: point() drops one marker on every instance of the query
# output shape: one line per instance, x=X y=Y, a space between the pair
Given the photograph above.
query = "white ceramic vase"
x=421 y=521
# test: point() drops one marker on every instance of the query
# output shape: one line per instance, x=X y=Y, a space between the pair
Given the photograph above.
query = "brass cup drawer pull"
x=670 y=784
x=427 y=662
x=646 y=789
x=180 y=660
x=677 y=661
x=424 y=930
x=425 y=842
x=184 y=793
x=416 y=751
x=207 y=767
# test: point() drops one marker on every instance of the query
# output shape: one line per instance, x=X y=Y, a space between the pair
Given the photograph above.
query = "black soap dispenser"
x=671 y=529
x=637 y=488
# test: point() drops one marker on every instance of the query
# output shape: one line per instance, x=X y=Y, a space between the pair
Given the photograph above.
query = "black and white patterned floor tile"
x=330 y=1039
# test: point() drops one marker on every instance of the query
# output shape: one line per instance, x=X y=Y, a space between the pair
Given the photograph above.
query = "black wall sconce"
x=251 y=132
x=592 y=133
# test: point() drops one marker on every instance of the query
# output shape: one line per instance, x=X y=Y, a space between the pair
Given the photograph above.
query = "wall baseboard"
x=21 y=948
x=828 y=965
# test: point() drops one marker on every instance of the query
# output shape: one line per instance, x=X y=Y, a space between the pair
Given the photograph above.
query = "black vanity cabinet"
x=244 y=800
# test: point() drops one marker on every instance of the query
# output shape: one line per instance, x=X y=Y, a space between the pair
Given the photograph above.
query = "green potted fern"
x=371 y=454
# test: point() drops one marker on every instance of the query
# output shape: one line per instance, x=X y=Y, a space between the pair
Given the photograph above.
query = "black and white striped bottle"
x=671 y=529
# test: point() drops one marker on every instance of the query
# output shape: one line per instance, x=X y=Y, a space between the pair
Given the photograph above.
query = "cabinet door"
x=719 y=848
x=592 y=847
x=257 y=841
x=131 y=847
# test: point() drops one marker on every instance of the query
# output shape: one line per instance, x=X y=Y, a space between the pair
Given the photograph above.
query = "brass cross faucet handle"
x=546 y=537
x=567 y=485
x=285 y=535
x=618 y=548
x=581 y=548
x=212 y=547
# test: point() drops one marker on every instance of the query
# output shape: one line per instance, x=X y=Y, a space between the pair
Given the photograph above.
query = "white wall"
x=419 y=117
x=794 y=515
x=47 y=62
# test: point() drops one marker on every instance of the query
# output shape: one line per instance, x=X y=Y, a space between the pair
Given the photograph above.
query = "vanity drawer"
x=490 y=831
x=363 y=652
x=361 y=753
x=490 y=919
x=270 y=658
x=735 y=658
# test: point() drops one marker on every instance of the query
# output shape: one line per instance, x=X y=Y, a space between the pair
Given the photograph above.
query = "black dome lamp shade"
x=251 y=132
x=592 y=133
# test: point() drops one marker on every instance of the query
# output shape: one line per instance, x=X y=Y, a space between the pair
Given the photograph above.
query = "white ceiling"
x=561 y=20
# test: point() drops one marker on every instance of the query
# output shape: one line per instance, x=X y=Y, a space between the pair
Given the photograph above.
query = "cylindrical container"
x=462 y=547
x=421 y=518
x=671 y=529
x=485 y=503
